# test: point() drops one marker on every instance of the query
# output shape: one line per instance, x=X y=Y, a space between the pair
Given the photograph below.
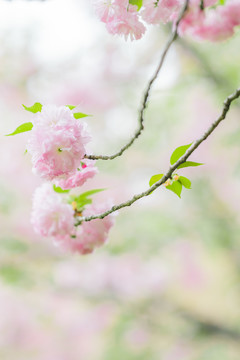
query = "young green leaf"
x=83 y=199
x=178 y=152
x=90 y=192
x=185 y=182
x=80 y=115
x=82 y=202
x=77 y=115
x=136 y=2
x=189 y=164
x=176 y=187
x=37 y=107
x=22 y=128
x=71 y=107
x=155 y=178
x=59 y=190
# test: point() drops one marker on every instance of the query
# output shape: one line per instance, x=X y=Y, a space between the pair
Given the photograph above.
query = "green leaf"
x=90 y=192
x=59 y=190
x=136 y=2
x=221 y=2
x=189 y=164
x=22 y=128
x=71 y=106
x=34 y=109
x=185 y=182
x=80 y=115
x=83 y=199
x=77 y=115
x=178 y=152
x=155 y=178
x=176 y=187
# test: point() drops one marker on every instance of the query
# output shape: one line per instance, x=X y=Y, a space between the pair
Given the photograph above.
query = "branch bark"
x=226 y=106
x=146 y=94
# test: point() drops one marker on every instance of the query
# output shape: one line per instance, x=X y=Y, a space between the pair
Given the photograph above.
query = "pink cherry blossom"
x=50 y=215
x=54 y=116
x=107 y=9
x=126 y=23
x=220 y=23
x=90 y=234
x=231 y=12
x=214 y=28
x=104 y=9
x=57 y=142
x=120 y=17
x=193 y=19
x=205 y=23
x=212 y=24
x=154 y=13
x=85 y=171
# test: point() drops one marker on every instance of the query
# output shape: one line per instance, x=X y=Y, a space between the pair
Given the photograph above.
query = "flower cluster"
x=120 y=18
x=204 y=19
x=57 y=145
x=214 y=24
x=54 y=215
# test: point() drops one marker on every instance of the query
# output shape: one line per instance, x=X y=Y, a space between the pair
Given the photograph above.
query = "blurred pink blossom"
x=90 y=234
x=121 y=18
x=50 y=215
x=126 y=23
x=154 y=13
x=214 y=24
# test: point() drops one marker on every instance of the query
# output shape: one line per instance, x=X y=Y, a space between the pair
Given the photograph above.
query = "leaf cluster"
x=176 y=182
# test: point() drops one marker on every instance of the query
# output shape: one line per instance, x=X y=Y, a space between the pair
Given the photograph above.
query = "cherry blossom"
x=155 y=12
x=50 y=215
x=204 y=20
x=85 y=171
x=57 y=142
x=121 y=18
x=89 y=235
x=214 y=24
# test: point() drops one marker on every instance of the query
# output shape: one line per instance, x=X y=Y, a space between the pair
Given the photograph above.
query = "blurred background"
x=167 y=284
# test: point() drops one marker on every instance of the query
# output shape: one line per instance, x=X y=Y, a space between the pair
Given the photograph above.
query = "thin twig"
x=171 y=40
x=226 y=106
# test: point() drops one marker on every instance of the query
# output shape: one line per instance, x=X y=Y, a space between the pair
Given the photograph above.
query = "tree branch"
x=226 y=106
x=171 y=40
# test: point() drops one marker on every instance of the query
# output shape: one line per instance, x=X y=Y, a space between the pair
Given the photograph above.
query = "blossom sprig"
x=58 y=137
x=57 y=145
x=211 y=20
x=177 y=165
x=78 y=225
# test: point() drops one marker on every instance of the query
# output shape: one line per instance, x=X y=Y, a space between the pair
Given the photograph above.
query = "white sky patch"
x=59 y=28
